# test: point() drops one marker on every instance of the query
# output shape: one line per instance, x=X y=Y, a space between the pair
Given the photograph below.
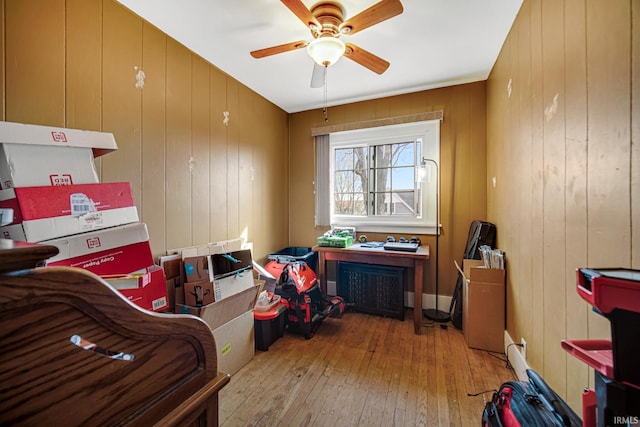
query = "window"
x=373 y=174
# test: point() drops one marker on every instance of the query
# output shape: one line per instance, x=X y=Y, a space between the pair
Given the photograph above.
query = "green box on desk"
x=335 y=241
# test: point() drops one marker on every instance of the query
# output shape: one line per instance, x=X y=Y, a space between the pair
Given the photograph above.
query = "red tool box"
x=615 y=294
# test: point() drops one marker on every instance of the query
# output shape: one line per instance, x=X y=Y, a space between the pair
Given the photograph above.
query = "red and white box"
x=48 y=212
x=33 y=155
x=147 y=289
x=118 y=250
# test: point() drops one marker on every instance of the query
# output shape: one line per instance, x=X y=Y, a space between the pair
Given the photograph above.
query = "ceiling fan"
x=326 y=22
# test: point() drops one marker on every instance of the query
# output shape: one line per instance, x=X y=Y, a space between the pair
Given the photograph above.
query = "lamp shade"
x=326 y=50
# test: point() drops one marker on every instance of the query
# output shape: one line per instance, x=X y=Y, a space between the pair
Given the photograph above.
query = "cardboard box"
x=226 y=287
x=221 y=312
x=235 y=343
x=198 y=294
x=34 y=155
x=231 y=321
x=151 y=294
x=19 y=133
x=173 y=272
x=483 y=307
x=44 y=213
x=228 y=263
x=36 y=165
x=209 y=248
x=116 y=250
x=133 y=280
x=196 y=269
x=468 y=263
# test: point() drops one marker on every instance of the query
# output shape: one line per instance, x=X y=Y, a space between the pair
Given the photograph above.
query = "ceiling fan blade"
x=379 y=12
x=318 y=76
x=279 y=49
x=302 y=12
x=366 y=59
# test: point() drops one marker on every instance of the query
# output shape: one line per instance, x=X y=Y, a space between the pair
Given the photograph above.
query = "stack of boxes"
x=216 y=283
x=50 y=193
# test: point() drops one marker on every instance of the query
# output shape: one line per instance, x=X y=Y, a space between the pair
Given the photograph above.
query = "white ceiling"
x=433 y=43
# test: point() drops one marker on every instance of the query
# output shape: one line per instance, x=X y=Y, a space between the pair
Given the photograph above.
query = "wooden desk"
x=356 y=253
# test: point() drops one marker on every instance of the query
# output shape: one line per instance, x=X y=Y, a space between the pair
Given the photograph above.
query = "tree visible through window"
x=373 y=175
x=377 y=180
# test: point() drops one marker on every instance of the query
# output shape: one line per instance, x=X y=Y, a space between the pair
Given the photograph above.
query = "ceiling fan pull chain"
x=324 y=110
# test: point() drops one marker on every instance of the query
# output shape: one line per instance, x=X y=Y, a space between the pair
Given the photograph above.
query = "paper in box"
x=34 y=155
x=48 y=212
x=151 y=292
x=116 y=250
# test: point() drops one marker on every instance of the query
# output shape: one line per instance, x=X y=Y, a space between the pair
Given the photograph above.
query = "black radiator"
x=373 y=289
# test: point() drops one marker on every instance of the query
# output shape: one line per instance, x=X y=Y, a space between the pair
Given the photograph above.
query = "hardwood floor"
x=365 y=370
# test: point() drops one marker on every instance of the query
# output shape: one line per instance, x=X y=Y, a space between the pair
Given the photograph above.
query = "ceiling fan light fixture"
x=326 y=50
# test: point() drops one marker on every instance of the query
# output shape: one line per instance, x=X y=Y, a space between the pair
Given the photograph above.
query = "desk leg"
x=322 y=272
x=417 y=295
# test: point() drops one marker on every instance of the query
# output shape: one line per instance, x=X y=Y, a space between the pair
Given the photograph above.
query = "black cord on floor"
x=509 y=365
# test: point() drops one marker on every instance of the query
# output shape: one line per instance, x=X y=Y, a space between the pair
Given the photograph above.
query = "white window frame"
x=429 y=132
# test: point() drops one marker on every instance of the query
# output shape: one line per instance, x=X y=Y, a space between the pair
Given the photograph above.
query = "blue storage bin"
x=295 y=253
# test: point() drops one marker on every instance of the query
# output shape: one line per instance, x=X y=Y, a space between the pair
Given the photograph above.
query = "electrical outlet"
x=523 y=348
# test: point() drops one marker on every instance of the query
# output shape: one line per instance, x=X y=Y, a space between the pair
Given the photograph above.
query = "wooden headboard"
x=73 y=351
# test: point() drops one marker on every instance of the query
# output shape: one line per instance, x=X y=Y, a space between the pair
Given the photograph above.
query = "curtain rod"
x=431 y=115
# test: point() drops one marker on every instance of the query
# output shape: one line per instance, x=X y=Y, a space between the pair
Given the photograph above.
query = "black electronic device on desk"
x=401 y=246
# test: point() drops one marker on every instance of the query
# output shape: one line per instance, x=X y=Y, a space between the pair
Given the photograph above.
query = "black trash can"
x=295 y=253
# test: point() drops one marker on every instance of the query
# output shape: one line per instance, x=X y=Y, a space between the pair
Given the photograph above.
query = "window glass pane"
x=360 y=204
x=343 y=203
x=360 y=181
x=403 y=154
x=343 y=182
x=344 y=159
x=382 y=180
x=403 y=203
x=383 y=156
x=403 y=178
x=382 y=203
x=360 y=154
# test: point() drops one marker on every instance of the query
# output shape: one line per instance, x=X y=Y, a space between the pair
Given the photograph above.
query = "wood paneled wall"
x=563 y=127
x=73 y=63
x=462 y=168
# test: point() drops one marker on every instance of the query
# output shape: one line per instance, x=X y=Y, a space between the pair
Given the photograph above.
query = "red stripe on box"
x=53 y=201
x=120 y=260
